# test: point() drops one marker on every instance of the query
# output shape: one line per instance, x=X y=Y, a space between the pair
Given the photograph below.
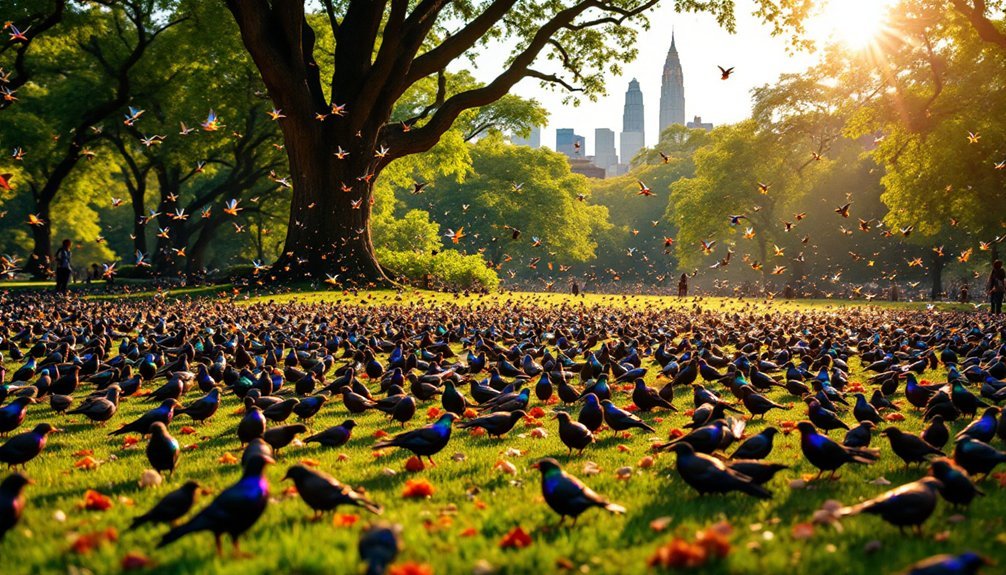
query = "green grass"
x=285 y=541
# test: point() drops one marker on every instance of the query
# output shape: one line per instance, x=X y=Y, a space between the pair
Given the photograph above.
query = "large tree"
x=345 y=102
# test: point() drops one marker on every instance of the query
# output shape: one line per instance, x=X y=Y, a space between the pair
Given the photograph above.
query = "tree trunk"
x=936 y=275
x=39 y=263
x=328 y=234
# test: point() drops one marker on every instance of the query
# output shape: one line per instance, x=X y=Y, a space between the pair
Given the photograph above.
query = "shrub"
x=448 y=268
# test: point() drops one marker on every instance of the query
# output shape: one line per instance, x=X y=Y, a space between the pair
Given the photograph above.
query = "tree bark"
x=936 y=276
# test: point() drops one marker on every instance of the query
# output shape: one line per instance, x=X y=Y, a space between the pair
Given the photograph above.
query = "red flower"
x=94 y=501
x=516 y=538
x=417 y=488
x=135 y=560
x=410 y=569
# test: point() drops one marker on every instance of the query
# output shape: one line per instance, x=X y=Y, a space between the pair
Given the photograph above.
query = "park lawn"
x=474 y=504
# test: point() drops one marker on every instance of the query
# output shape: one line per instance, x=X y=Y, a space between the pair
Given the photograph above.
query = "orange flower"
x=471 y=413
x=187 y=430
x=135 y=560
x=689 y=412
x=310 y=462
x=410 y=569
x=434 y=412
x=345 y=520
x=129 y=441
x=380 y=433
x=417 y=488
x=536 y=412
x=94 y=501
x=480 y=505
x=290 y=491
x=227 y=459
x=516 y=538
x=414 y=464
x=894 y=417
x=378 y=453
x=788 y=426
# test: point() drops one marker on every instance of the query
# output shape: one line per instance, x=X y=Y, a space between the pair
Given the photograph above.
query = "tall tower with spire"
x=633 y=136
x=672 y=90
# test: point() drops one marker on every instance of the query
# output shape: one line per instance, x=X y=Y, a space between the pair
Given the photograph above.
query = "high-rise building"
x=633 y=136
x=605 y=155
x=672 y=90
x=698 y=124
x=570 y=143
x=533 y=140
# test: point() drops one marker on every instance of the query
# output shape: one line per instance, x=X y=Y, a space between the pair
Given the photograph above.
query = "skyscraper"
x=569 y=143
x=672 y=90
x=533 y=140
x=604 y=148
x=633 y=136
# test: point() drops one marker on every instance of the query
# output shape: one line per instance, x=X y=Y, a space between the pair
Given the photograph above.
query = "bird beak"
x=57 y=430
x=535 y=465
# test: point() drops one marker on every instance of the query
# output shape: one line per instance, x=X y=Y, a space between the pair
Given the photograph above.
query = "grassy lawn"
x=475 y=503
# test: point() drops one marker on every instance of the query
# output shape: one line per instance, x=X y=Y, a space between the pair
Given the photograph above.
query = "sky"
x=702 y=45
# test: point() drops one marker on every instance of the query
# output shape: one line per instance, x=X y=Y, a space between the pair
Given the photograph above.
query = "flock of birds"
x=487 y=369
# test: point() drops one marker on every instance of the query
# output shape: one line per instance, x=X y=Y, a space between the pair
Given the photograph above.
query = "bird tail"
x=386 y=443
x=137 y=522
x=647 y=427
x=180 y=531
x=851 y=510
x=756 y=490
x=122 y=430
x=864 y=455
x=369 y=505
x=614 y=508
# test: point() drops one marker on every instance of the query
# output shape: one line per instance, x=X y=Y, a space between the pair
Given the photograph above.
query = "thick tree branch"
x=976 y=11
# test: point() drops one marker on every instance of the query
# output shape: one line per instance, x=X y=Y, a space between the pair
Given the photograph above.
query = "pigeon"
x=757 y=446
x=24 y=447
x=101 y=409
x=234 y=511
x=707 y=474
x=977 y=457
x=964 y=564
x=621 y=420
x=309 y=407
x=910 y=448
x=203 y=408
x=860 y=436
x=323 y=493
x=163 y=413
x=573 y=435
x=379 y=546
x=11 y=501
x=647 y=398
x=171 y=508
x=283 y=435
x=956 y=487
x=591 y=414
x=567 y=495
x=253 y=423
x=162 y=449
x=425 y=441
x=496 y=424
x=828 y=455
x=906 y=506
x=822 y=418
x=335 y=436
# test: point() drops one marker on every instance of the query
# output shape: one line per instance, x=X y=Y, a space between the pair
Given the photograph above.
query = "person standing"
x=996 y=287
x=63 y=267
x=683 y=286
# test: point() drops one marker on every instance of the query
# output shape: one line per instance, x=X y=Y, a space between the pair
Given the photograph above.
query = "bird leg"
x=431 y=461
x=220 y=550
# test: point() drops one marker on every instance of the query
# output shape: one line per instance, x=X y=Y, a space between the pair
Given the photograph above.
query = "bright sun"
x=854 y=23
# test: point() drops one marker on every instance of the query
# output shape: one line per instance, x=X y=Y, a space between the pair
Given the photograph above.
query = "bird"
x=322 y=492
x=725 y=73
x=967 y=563
x=906 y=506
x=13 y=414
x=101 y=409
x=823 y=418
x=162 y=449
x=977 y=457
x=707 y=474
x=496 y=424
x=956 y=487
x=567 y=495
x=828 y=455
x=426 y=441
x=163 y=413
x=647 y=398
x=574 y=435
x=252 y=424
x=860 y=436
x=280 y=436
x=24 y=447
x=757 y=446
x=171 y=508
x=12 y=501
x=335 y=436
x=909 y=447
x=936 y=434
x=203 y=408
x=234 y=511
x=379 y=545
x=621 y=420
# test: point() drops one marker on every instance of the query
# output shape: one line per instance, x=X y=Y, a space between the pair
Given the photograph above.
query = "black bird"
x=60 y=403
x=173 y=507
x=567 y=495
x=822 y=418
x=964 y=564
x=757 y=446
x=253 y=423
x=100 y=409
x=937 y=433
x=756 y=403
x=621 y=420
x=202 y=408
x=707 y=474
x=717 y=435
x=573 y=435
x=164 y=413
x=282 y=435
x=11 y=501
x=496 y=424
x=906 y=506
x=983 y=428
x=162 y=450
x=234 y=511
x=425 y=441
x=957 y=488
x=453 y=400
x=257 y=447
x=759 y=471
x=865 y=411
x=647 y=398
x=910 y=448
x=13 y=414
x=379 y=545
x=324 y=493
x=335 y=436
x=309 y=406
x=404 y=410
x=24 y=447
x=280 y=411
x=827 y=455
x=859 y=436
x=977 y=457
x=591 y=415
